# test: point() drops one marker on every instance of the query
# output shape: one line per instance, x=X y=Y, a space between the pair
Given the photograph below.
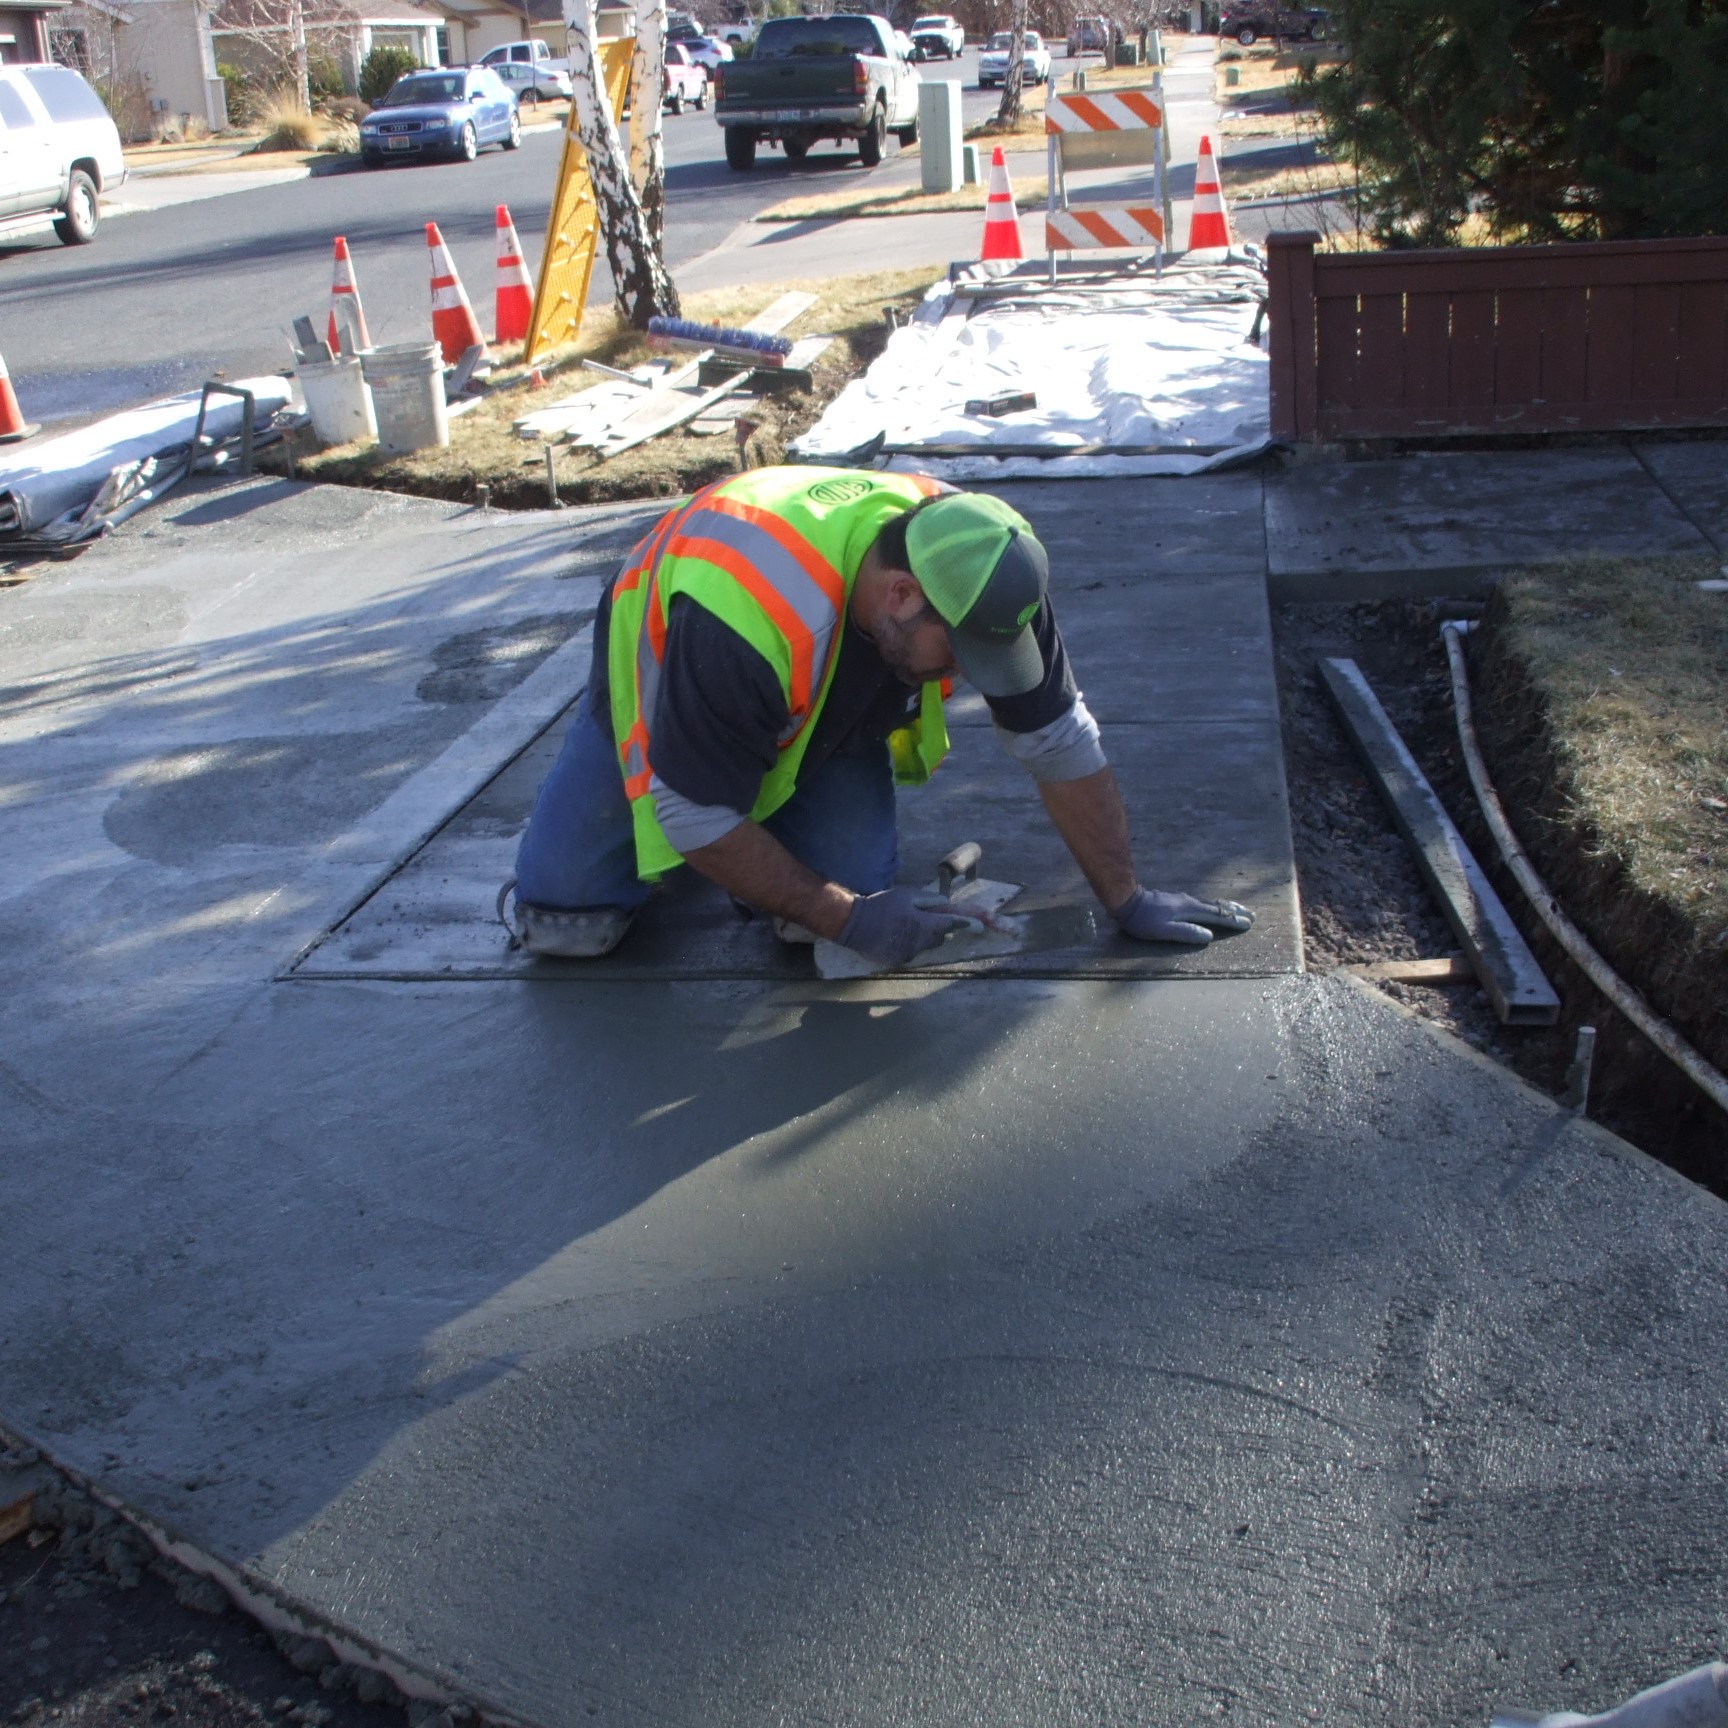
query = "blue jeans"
x=579 y=848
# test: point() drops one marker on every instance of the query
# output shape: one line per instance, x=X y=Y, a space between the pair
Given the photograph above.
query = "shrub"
x=383 y=66
x=128 y=100
x=242 y=94
x=324 y=77
x=287 y=126
x=341 y=138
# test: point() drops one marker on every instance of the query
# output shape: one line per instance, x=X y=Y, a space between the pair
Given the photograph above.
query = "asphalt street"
x=163 y=298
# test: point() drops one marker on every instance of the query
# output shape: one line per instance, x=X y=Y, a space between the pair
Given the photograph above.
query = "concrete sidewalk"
x=719 y=1350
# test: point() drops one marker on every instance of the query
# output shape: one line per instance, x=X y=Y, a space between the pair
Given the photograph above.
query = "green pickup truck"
x=844 y=77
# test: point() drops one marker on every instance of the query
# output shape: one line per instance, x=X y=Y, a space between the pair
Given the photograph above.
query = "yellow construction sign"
x=573 y=232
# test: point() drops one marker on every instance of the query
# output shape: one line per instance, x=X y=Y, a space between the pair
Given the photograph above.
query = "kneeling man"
x=769 y=663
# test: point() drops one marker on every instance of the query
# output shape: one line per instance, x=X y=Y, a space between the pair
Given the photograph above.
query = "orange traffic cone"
x=343 y=283
x=13 y=425
x=1207 y=226
x=1001 y=219
x=515 y=302
x=453 y=321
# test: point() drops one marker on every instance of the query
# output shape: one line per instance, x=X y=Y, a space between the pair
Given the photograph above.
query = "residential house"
x=471 y=27
x=25 y=27
x=257 y=36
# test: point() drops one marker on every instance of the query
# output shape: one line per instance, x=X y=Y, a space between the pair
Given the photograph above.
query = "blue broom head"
x=718 y=336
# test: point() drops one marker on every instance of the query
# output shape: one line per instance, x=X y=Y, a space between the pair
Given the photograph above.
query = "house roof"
x=33 y=5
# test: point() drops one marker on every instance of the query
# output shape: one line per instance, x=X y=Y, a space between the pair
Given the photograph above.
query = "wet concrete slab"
x=714 y=1352
x=1431 y=524
x=1172 y=646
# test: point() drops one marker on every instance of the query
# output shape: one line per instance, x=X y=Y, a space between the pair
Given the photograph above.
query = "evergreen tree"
x=1553 y=119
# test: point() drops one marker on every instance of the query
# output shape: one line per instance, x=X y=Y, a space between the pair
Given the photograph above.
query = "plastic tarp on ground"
x=1140 y=376
x=42 y=481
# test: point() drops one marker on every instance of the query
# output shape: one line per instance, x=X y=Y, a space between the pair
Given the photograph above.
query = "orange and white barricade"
x=1106 y=129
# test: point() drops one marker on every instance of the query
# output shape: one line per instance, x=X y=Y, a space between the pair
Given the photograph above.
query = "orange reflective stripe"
x=774 y=603
x=636 y=781
x=809 y=560
x=654 y=620
x=930 y=488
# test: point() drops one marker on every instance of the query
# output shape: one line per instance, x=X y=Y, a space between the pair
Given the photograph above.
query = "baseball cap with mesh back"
x=983 y=569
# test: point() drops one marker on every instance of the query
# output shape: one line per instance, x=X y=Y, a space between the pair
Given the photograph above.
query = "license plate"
x=788 y=116
x=399 y=143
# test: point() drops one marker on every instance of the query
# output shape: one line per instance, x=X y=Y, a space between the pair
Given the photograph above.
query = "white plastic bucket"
x=407 y=384
x=336 y=399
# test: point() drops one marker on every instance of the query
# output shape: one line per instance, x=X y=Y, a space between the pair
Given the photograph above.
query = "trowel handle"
x=961 y=865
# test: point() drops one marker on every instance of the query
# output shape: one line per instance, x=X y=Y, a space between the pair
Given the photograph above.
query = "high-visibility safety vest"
x=774 y=554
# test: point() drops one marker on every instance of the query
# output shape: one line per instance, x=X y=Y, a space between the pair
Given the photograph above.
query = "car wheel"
x=740 y=148
x=871 y=145
x=1247 y=36
x=675 y=102
x=468 y=142
x=513 y=138
x=530 y=96
x=702 y=97
x=907 y=134
x=83 y=211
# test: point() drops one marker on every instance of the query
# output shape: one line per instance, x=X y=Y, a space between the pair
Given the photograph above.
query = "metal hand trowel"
x=958 y=882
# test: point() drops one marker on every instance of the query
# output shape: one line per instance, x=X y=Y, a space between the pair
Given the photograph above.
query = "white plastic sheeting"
x=1156 y=378
x=44 y=479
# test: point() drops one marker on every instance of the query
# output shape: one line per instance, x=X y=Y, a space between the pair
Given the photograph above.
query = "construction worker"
x=772 y=658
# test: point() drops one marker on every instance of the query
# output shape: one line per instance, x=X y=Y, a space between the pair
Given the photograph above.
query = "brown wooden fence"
x=1619 y=335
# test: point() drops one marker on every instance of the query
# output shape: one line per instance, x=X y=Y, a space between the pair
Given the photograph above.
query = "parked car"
x=529 y=52
x=708 y=51
x=993 y=62
x=843 y=77
x=59 y=151
x=453 y=112
x=736 y=33
x=686 y=82
x=534 y=84
x=937 y=34
x=1088 y=36
x=683 y=27
x=1250 y=22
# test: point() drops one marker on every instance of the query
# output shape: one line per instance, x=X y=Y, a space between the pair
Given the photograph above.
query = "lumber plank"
x=1514 y=982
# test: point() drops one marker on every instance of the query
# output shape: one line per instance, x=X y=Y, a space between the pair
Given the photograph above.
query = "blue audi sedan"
x=451 y=112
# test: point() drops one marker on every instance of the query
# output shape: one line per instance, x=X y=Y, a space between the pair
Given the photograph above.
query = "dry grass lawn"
x=905 y=201
x=1601 y=687
x=485 y=450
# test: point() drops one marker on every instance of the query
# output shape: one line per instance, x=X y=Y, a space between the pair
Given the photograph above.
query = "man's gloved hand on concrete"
x=899 y=924
x=1150 y=915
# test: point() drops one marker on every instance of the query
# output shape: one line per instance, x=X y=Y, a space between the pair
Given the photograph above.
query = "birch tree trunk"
x=647 y=144
x=641 y=287
x=302 y=62
x=1008 y=115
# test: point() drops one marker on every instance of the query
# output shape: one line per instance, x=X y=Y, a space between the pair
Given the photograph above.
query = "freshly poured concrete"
x=1428 y=524
x=723 y=1352
x=1174 y=654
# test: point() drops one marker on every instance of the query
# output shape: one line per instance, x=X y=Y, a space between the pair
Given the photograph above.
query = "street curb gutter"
x=278 y=1613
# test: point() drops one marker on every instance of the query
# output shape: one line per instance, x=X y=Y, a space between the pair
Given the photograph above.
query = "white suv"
x=59 y=150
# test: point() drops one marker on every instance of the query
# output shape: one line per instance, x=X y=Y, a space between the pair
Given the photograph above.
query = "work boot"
x=575 y=933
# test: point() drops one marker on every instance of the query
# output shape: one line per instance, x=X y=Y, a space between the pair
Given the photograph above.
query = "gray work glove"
x=1150 y=915
x=899 y=924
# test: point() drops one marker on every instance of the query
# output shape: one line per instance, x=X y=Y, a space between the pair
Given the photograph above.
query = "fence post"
x=1290 y=334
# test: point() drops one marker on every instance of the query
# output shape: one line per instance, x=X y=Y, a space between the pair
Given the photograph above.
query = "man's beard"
x=894 y=642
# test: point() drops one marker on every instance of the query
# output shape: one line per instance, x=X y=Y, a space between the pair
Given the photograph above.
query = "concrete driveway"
x=729 y=1349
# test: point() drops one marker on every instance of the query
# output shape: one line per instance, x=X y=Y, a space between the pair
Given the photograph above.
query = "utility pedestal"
x=939 y=136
